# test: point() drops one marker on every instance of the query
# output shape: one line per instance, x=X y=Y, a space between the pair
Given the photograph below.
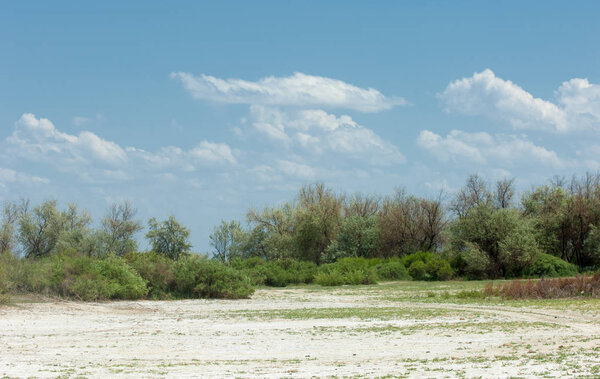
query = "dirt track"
x=295 y=333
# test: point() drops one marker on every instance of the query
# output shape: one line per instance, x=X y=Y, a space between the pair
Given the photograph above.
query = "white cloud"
x=94 y=158
x=581 y=99
x=298 y=170
x=485 y=94
x=483 y=148
x=9 y=176
x=295 y=90
x=320 y=132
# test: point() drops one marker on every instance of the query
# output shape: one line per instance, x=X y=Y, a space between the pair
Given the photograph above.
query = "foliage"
x=580 y=286
x=199 y=277
x=5 y=261
x=392 y=269
x=157 y=270
x=81 y=277
x=567 y=215
x=118 y=230
x=168 y=238
x=227 y=241
x=506 y=236
x=427 y=266
x=41 y=229
x=358 y=236
x=276 y=273
x=549 y=266
x=409 y=224
x=346 y=271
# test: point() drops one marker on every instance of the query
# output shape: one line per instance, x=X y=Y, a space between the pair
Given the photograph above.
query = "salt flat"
x=397 y=329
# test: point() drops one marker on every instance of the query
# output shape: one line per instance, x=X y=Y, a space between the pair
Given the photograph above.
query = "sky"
x=202 y=110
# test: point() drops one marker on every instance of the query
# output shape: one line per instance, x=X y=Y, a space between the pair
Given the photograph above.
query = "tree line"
x=483 y=231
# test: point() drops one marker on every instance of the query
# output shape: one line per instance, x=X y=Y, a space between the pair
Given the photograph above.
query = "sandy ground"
x=296 y=333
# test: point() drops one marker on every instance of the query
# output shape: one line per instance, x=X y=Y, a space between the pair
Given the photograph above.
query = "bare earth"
x=300 y=332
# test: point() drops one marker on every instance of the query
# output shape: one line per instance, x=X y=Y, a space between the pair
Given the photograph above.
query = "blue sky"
x=202 y=110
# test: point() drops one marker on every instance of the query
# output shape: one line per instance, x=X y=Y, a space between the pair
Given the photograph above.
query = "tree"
x=10 y=215
x=504 y=193
x=273 y=231
x=409 y=224
x=39 y=230
x=118 y=229
x=227 y=241
x=505 y=235
x=474 y=193
x=45 y=229
x=316 y=222
x=168 y=238
x=358 y=237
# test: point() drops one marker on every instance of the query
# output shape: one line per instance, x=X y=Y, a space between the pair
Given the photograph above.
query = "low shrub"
x=427 y=266
x=157 y=270
x=347 y=271
x=4 y=296
x=549 y=266
x=330 y=278
x=587 y=286
x=81 y=277
x=199 y=277
x=392 y=269
x=276 y=273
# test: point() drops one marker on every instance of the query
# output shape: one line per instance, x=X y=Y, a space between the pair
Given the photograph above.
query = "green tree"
x=8 y=223
x=358 y=237
x=168 y=238
x=227 y=241
x=118 y=230
x=505 y=235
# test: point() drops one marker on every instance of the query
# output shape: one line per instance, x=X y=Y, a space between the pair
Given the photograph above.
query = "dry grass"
x=588 y=286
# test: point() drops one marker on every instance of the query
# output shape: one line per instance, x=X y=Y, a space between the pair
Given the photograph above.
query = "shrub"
x=588 y=286
x=350 y=270
x=4 y=297
x=330 y=278
x=157 y=270
x=392 y=269
x=276 y=273
x=427 y=266
x=418 y=270
x=549 y=266
x=197 y=276
x=81 y=277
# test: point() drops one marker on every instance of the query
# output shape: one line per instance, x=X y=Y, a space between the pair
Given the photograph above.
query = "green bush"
x=330 y=278
x=392 y=269
x=81 y=277
x=276 y=273
x=350 y=270
x=157 y=270
x=549 y=266
x=4 y=284
x=427 y=266
x=199 y=277
x=418 y=270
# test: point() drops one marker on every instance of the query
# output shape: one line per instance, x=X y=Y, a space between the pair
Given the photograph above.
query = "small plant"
x=199 y=277
x=588 y=286
x=347 y=271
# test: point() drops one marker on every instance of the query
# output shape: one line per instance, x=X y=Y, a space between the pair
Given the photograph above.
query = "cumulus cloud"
x=581 y=100
x=483 y=148
x=8 y=175
x=92 y=157
x=39 y=139
x=577 y=105
x=485 y=94
x=296 y=90
x=321 y=132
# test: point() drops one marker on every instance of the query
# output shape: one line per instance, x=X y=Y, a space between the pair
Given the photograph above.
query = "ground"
x=402 y=329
